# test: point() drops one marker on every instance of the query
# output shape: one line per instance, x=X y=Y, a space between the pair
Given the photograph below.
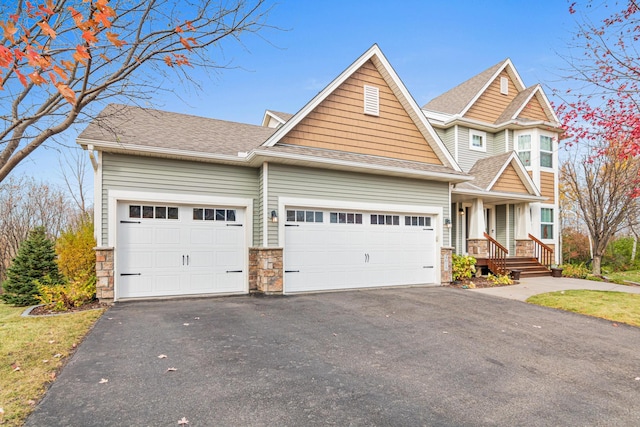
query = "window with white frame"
x=546 y=151
x=524 y=149
x=477 y=140
x=546 y=223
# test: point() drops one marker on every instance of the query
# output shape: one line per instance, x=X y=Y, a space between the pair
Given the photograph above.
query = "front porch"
x=498 y=236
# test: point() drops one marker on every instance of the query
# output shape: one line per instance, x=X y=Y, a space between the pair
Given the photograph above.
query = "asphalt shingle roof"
x=515 y=105
x=484 y=171
x=360 y=158
x=153 y=128
x=455 y=100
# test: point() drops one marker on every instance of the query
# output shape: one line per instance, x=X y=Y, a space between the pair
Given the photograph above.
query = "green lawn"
x=32 y=350
x=618 y=307
x=632 y=276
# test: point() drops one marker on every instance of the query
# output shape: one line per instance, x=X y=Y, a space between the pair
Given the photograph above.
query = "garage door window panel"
x=153 y=212
x=345 y=218
x=214 y=214
x=417 y=221
x=304 y=216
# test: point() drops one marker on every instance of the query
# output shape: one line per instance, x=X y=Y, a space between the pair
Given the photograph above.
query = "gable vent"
x=371 y=100
x=504 y=85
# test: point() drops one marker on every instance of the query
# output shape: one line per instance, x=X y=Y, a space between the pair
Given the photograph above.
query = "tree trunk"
x=634 y=249
x=595 y=266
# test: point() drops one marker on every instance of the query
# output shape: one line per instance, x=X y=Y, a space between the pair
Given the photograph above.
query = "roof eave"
x=132 y=149
x=256 y=157
x=498 y=195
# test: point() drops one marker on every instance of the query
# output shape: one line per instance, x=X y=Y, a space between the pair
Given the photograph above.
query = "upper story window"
x=477 y=140
x=371 y=100
x=524 y=149
x=546 y=223
x=546 y=151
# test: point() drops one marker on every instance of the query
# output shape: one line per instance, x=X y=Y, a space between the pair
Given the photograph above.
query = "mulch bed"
x=43 y=311
x=479 y=282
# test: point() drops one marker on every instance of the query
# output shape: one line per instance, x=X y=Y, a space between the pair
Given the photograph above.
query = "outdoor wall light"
x=274 y=216
x=461 y=211
x=447 y=223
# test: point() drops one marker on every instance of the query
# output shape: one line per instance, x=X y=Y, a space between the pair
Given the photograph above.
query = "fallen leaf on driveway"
x=536 y=326
x=171 y=369
x=196 y=318
x=183 y=421
x=185 y=324
x=615 y=325
x=162 y=356
x=445 y=332
x=103 y=381
x=637 y=378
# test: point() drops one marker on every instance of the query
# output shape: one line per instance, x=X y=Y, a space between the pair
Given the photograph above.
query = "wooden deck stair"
x=530 y=267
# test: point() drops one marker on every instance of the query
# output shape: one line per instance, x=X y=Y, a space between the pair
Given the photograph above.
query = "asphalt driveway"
x=405 y=357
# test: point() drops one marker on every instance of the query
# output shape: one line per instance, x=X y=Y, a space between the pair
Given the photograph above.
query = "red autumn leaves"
x=26 y=53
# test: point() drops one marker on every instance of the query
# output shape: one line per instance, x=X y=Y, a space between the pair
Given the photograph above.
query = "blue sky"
x=433 y=46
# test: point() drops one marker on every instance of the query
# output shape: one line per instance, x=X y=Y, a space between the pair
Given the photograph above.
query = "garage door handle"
x=427 y=266
x=234 y=225
x=129 y=222
x=428 y=229
x=131 y=274
x=292 y=225
x=234 y=271
x=292 y=271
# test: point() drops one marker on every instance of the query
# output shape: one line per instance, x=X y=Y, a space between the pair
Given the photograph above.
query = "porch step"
x=530 y=267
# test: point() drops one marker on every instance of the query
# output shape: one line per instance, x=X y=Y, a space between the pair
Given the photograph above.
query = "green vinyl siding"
x=512 y=230
x=467 y=157
x=137 y=173
x=311 y=183
x=448 y=138
x=501 y=225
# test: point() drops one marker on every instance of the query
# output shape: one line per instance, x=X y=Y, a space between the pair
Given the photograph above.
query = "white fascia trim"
x=373 y=52
x=397 y=83
x=316 y=100
x=526 y=102
x=268 y=114
x=520 y=170
x=283 y=202
x=184 y=154
x=97 y=201
x=115 y=196
x=547 y=103
x=489 y=127
x=439 y=176
x=511 y=70
x=493 y=194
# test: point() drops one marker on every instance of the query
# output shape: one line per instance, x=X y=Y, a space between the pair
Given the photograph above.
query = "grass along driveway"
x=615 y=306
x=32 y=350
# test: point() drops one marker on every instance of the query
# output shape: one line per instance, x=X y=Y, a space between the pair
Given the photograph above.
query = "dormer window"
x=371 y=100
x=477 y=140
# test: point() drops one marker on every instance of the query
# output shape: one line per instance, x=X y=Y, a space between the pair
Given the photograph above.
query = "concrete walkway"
x=540 y=285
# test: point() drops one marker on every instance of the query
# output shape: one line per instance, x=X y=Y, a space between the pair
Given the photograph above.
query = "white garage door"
x=326 y=249
x=167 y=250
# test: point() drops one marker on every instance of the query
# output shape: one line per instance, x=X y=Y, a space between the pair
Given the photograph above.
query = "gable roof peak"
x=380 y=62
x=459 y=99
